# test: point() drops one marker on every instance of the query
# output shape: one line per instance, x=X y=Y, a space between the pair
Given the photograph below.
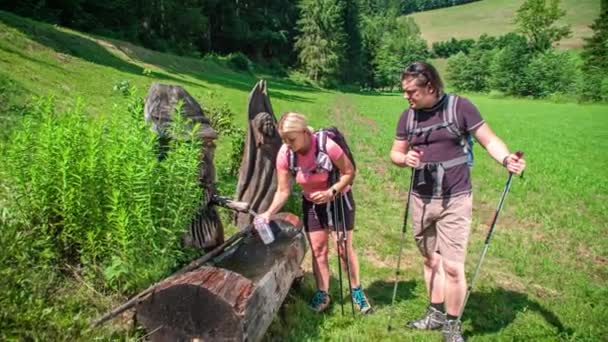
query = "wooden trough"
x=235 y=298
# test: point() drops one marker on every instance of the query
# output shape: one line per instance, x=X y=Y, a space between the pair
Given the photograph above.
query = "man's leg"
x=425 y=234
x=452 y=239
x=455 y=287
x=434 y=277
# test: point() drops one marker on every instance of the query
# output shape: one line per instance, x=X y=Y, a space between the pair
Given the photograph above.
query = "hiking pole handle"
x=519 y=155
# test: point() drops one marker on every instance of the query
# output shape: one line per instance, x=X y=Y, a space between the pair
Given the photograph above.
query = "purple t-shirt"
x=441 y=145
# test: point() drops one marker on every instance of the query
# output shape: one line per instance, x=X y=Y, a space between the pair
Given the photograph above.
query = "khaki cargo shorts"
x=442 y=225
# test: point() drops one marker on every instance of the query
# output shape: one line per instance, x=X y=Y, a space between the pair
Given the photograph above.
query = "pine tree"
x=352 y=69
x=594 y=84
x=321 y=43
x=595 y=51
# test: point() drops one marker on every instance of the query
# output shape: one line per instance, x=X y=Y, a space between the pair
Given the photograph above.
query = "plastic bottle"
x=264 y=231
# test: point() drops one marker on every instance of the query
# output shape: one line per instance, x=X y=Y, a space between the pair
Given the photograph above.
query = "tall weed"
x=95 y=191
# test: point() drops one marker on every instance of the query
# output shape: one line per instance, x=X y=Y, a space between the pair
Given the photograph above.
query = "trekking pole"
x=407 y=208
x=345 y=251
x=335 y=217
x=519 y=154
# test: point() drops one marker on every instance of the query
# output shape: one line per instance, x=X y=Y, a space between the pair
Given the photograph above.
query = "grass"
x=495 y=17
x=545 y=273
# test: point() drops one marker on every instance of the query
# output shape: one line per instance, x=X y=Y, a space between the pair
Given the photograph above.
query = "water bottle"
x=263 y=229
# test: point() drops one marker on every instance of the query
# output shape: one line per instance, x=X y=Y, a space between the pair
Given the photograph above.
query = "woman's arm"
x=347 y=175
x=281 y=195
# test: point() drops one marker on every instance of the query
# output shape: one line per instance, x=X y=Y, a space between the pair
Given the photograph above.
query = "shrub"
x=508 y=65
x=470 y=73
x=451 y=47
x=593 y=85
x=550 y=72
x=223 y=121
x=93 y=193
x=238 y=61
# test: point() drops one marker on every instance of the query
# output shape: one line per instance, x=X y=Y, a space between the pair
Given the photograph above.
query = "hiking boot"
x=452 y=331
x=361 y=301
x=320 y=301
x=432 y=320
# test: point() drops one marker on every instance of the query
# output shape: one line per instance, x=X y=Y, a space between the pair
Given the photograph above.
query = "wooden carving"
x=236 y=298
x=206 y=230
x=257 y=176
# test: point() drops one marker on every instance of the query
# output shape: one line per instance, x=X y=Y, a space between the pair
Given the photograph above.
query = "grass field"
x=545 y=275
x=495 y=17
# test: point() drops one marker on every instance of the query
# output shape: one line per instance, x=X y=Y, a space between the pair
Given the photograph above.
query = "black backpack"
x=322 y=159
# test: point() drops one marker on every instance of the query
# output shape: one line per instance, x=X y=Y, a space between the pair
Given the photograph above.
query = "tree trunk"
x=236 y=298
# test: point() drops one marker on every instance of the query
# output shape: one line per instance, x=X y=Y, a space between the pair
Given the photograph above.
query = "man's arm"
x=398 y=152
x=498 y=150
x=402 y=156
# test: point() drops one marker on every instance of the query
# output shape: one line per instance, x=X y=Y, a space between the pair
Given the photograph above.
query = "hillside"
x=544 y=277
x=495 y=17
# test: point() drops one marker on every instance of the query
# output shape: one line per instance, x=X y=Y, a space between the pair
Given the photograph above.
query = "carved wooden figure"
x=257 y=176
x=206 y=230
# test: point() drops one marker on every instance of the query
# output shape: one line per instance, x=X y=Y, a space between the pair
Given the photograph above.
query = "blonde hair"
x=293 y=122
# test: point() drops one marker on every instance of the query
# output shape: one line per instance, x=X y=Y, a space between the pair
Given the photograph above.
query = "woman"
x=300 y=142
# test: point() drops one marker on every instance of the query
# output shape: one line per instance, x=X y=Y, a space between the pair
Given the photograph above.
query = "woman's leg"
x=352 y=257
x=318 y=246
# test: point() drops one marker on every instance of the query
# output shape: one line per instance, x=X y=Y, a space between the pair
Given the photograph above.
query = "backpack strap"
x=450 y=118
x=293 y=162
x=321 y=141
x=410 y=124
x=321 y=138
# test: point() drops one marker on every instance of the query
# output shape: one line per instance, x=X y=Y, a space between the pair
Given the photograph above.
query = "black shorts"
x=316 y=216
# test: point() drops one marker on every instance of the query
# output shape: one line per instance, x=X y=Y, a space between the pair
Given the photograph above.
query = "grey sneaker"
x=432 y=320
x=452 y=331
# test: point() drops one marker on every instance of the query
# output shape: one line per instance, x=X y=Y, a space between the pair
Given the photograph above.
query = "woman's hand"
x=264 y=217
x=321 y=197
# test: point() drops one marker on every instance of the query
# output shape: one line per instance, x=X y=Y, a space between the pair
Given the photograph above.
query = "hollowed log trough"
x=235 y=298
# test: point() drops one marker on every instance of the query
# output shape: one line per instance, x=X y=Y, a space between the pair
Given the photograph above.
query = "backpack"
x=437 y=169
x=450 y=123
x=322 y=160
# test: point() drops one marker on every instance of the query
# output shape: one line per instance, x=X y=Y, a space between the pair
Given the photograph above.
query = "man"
x=433 y=137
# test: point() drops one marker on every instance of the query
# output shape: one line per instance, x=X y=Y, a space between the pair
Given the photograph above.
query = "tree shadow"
x=87 y=48
x=295 y=321
x=241 y=80
x=493 y=310
x=380 y=292
x=75 y=45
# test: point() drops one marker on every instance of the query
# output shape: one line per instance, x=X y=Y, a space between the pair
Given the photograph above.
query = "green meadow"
x=495 y=17
x=544 y=277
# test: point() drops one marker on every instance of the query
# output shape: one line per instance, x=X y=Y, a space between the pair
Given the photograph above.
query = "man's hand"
x=412 y=158
x=321 y=197
x=515 y=164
